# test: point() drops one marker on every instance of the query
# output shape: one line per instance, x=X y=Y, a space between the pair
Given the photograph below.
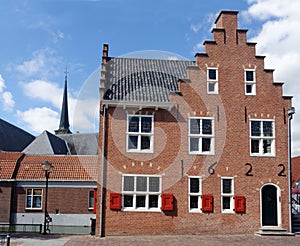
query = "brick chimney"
x=226 y=27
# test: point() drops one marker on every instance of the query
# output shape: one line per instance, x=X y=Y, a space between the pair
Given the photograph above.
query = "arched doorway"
x=269 y=205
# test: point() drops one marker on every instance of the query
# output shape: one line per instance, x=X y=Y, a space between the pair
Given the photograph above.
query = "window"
x=140 y=133
x=227 y=193
x=250 y=82
x=262 y=138
x=34 y=198
x=212 y=80
x=195 y=193
x=91 y=199
x=201 y=136
x=141 y=192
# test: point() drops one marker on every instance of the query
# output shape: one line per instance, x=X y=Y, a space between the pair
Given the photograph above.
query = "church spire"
x=64 y=116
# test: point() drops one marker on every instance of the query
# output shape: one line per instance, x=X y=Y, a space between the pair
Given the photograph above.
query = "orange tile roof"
x=65 y=168
x=8 y=161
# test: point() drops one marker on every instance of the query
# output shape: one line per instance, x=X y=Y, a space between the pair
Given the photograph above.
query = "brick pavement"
x=182 y=240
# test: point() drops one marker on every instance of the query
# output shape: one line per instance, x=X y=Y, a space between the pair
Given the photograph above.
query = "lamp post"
x=291 y=112
x=47 y=167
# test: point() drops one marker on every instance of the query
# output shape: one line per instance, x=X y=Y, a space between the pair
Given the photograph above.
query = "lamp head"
x=47 y=166
x=291 y=111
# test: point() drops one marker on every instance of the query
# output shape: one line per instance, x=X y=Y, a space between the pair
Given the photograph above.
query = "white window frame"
x=201 y=136
x=139 y=134
x=198 y=194
x=261 y=139
x=215 y=82
x=250 y=83
x=147 y=193
x=32 y=196
x=91 y=199
x=230 y=195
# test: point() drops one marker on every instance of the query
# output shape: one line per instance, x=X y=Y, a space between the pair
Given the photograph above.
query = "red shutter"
x=207 y=203
x=239 y=204
x=95 y=200
x=167 y=202
x=115 y=201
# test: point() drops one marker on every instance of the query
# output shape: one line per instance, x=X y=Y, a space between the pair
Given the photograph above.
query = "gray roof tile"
x=147 y=80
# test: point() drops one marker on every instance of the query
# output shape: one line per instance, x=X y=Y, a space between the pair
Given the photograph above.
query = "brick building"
x=189 y=147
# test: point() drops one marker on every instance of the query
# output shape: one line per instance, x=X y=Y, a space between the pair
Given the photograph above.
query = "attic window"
x=250 y=82
x=212 y=80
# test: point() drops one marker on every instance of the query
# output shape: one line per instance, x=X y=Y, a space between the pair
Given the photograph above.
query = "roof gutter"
x=138 y=104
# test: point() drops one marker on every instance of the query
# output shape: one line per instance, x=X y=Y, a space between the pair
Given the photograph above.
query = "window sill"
x=227 y=212
x=140 y=151
x=141 y=210
x=33 y=209
x=195 y=211
x=197 y=153
x=259 y=155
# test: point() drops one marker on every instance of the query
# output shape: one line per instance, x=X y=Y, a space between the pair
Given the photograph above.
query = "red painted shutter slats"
x=239 y=204
x=167 y=202
x=207 y=203
x=115 y=201
x=95 y=200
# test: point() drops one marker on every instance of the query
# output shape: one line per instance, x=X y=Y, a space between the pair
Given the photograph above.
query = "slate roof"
x=145 y=80
x=47 y=144
x=81 y=143
x=13 y=138
x=65 y=168
x=8 y=162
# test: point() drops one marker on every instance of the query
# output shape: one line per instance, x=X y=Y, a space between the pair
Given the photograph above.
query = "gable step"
x=273 y=231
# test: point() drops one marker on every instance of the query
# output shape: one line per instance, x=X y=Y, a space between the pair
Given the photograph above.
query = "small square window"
x=227 y=194
x=212 y=80
x=34 y=198
x=249 y=75
x=250 y=82
x=140 y=133
x=262 y=138
x=195 y=194
x=201 y=136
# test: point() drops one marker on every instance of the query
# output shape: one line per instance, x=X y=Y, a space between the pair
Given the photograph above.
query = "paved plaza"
x=182 y=240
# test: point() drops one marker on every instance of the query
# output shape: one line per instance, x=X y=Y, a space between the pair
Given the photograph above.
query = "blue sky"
x=39 y=39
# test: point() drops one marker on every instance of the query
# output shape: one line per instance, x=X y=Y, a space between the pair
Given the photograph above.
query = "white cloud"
x=82 y=110
x=2 y=84
x=6 y=97
x=32 y=66
x=279 y=41
x=8 y=101
x=45 y=91
x=40 y=119
x=42 y=64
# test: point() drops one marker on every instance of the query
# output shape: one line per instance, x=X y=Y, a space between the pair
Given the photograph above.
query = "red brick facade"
x=232 y=112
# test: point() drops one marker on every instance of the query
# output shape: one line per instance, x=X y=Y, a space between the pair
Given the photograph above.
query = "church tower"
x=64 y=117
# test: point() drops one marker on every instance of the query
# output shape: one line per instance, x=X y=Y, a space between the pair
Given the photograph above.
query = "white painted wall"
x=57 y=219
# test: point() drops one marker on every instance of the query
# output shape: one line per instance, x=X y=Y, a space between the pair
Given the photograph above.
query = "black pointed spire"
x=64 y=117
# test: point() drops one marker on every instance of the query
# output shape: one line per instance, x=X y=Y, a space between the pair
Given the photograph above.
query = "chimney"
x=227 y=21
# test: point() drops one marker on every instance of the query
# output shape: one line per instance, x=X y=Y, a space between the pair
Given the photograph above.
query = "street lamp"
x=291 y=112
x=47 y=167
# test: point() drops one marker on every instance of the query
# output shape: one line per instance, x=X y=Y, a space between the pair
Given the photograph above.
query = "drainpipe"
x=102 y=175
x=291 y=111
